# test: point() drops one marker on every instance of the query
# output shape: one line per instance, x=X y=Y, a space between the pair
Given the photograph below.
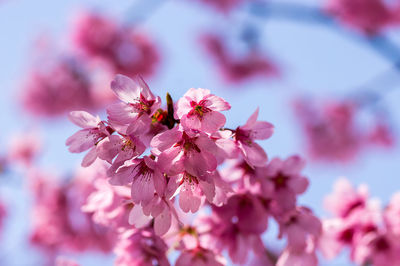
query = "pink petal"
x=81 y=141
x=262 y=130
x=212 y=122
x=252 y=120
x=126 y=89
x=121 y=113
x=89 y=158
x=83 y=119
x=137 y=217
x=166 y=139
x=254 y=154
x=142 y=189
x=217 y=103
x=162 y=222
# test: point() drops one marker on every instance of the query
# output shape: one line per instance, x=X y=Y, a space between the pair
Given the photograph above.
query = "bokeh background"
x=314 y=61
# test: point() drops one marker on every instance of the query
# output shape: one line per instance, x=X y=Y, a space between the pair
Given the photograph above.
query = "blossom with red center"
x=245 y=136
x=145 y=176
x=137 y=106
x=94 y=130
x=345 y=199
x=124 y=50
x=199 y=109
x=282 y=181
x=180 y=151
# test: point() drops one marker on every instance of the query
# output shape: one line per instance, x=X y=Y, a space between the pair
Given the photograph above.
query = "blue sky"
x=315 y=61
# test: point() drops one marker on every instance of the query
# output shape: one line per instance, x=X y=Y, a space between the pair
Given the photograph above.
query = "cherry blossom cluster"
x=160 y=165
x=368 y=16
x=333 y=131
x=70 y=80
x=359 y=224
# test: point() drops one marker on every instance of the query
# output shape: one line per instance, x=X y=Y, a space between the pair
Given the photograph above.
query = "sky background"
x=315 y=61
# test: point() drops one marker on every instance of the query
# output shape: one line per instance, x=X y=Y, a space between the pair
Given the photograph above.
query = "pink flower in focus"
x=137 y=106
x=368 y=16
x=140 y=247
x=200 y=257
x=93 y=131
x=237 y=69
x=56 y=89
x=145 y=176
x=125 y=50
x=245 y=136
x=199 y=110
x=180 y=151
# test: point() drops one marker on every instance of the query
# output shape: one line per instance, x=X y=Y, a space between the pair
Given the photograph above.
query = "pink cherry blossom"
x=236 y=69
x=377 y=248
x=121 y=147
x=138 y=103
x=381 y=135
x=245 y=136
x=368 y=16
x=345 y=198
x=180 y=151
x=140 y=247
x=237 y=226
x=109 y=205
x=145 y=178
x=223 y=6
x=392 y=214
x=56 y=211
x=200 y=257
x=24 y=148
x=124 y=50
x=330 y=130
x=58 y=88
x=199 y=109
x=299 y=225
x=93 y=131
x=295 y=257
x=282 y=181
